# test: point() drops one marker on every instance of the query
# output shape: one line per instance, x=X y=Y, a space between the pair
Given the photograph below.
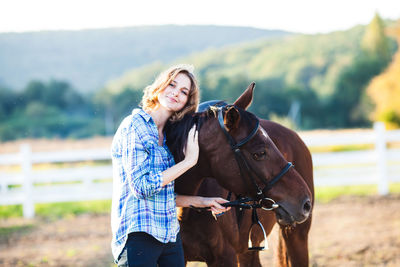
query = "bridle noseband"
x=243 y=164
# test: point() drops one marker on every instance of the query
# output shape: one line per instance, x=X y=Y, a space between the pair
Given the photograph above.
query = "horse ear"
x=232 y=118
x=244 y=101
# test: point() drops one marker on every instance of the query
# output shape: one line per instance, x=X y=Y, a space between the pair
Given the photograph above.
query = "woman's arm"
x=143 y=179
x=138 y=165
x=191 y=157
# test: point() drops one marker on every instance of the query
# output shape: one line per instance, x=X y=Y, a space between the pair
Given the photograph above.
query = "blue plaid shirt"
x=139 y=202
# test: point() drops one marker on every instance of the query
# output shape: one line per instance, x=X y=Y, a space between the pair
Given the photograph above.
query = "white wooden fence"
x=79 y=183
x=379 y=165
x=28 y=186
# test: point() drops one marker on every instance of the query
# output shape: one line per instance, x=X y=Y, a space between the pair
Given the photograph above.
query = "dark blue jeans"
x=143 y=250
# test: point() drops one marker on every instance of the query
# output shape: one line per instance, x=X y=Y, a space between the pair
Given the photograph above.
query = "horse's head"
x=244 y=160
x=238 y=152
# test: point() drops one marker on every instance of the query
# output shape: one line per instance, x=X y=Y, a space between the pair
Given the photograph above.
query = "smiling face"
x=175 y=96
x=174 y=91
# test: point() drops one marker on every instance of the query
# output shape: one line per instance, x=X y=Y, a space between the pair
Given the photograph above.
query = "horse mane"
x=177 y=132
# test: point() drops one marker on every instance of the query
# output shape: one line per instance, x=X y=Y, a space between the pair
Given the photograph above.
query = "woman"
x=144 y=222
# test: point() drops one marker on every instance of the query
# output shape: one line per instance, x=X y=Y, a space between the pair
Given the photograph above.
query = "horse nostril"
x=307 y=206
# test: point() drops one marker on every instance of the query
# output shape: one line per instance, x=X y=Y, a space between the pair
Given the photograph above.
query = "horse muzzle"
x=287 y=214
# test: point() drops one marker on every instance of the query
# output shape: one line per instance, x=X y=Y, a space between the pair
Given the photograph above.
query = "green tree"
x=8 y=100
x=52 y=109
x=111 y=108
x=374 y=42
x=348 y=105
x=384 y=90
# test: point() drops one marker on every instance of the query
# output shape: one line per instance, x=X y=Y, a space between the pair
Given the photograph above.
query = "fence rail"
x=380 y=165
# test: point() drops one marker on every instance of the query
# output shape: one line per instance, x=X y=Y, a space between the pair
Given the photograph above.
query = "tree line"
x=55 y=109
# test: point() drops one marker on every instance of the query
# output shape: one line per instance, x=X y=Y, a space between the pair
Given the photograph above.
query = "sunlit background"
x=309 y=16
x=70 y=71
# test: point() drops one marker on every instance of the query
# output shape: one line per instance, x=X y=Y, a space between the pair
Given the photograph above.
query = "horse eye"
x=259 y=155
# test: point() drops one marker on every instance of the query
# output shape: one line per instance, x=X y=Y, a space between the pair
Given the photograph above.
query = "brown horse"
x=224 y=242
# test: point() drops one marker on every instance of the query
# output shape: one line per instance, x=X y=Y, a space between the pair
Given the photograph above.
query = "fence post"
x=26 y=164
x=380 y=148
x=3 y=187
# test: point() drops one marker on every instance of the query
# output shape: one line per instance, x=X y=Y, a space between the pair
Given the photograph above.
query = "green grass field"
x=53 y=211
x=325 y=194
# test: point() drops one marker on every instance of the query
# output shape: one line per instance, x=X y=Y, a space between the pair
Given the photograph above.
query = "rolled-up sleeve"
x=145 y=179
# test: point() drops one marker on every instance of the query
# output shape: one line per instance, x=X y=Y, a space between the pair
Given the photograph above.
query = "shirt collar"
x=142 y=113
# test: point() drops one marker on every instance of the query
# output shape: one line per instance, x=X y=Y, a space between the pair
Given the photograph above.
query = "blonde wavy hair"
x=151 y=92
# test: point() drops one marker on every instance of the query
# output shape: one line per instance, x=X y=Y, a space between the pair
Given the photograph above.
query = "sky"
x=307 y=16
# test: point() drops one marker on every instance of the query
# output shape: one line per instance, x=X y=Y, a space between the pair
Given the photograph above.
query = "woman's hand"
x=192 y=147
x=211 y=203
x=215 y=204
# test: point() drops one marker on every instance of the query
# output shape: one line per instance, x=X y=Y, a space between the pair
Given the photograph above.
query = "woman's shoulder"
x=128 y=125
x=139 y=120
x=135 y=127
x=134 y=120
x=137 y=123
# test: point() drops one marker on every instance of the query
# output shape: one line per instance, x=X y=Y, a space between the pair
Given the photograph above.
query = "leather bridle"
x=243 y=202
x=244 y=165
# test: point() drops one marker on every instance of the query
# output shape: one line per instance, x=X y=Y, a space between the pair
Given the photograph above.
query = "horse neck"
x=189 y=182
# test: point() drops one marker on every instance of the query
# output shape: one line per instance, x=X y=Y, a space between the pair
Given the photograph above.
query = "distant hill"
x=89 y=58
x=309 y=62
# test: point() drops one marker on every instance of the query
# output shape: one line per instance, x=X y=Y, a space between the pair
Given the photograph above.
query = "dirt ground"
x=350 y=231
